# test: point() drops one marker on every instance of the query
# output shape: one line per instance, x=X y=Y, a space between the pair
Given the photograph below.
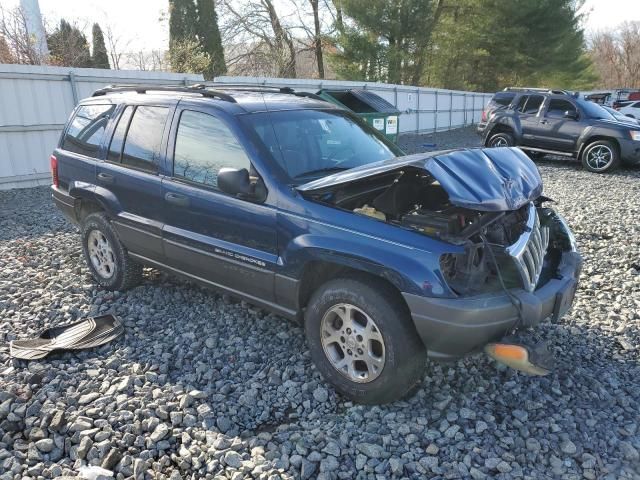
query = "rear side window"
x=530 y=104
x=557 y=108
x=117 y=141
x=503 y=99
x=141 y=129
x=204 y=145
x=86 y=129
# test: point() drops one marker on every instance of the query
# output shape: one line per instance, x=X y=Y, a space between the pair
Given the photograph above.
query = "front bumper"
x=453 y=327
x=629 y=151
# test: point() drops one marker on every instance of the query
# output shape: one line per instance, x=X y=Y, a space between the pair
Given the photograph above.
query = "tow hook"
x=533 y=359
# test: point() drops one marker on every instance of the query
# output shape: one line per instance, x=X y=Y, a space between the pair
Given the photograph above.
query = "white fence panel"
x=35 y=102
x=422 y=109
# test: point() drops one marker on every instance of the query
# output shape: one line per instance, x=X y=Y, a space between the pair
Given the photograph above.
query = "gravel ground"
x=201 y=387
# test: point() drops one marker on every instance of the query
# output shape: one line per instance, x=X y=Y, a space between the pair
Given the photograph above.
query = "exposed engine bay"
x=413 y=199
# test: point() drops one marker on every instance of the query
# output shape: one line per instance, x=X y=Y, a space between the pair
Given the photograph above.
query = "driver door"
x=560 y=126
x=227 y=241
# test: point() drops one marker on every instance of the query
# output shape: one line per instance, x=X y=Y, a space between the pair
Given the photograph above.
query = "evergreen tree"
x=100 y=57
x=68 y=46
x=488 y=44
x=209 y=36
x=386 y=40
x=182 y=21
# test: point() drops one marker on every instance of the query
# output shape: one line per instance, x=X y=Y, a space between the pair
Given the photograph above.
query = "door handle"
x=105 y=177
x=544 y=122
x=177 y=199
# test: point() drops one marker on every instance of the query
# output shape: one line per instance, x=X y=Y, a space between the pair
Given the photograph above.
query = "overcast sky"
x=138 y=21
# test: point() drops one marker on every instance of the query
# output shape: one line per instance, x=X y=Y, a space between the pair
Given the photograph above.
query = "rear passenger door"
x=128 y=178
x=528 y=107
x=227 y=241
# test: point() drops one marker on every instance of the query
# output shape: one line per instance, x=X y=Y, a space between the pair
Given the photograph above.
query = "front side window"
x=144 y=137
x=558 y=107
x=85 y=131
x=310 y=144
x=204 y=145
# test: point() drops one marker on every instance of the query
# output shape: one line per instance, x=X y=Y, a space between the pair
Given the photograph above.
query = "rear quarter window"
x=86 y=129
x=503 y=99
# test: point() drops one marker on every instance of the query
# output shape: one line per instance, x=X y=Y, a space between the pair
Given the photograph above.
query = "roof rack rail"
x=252 y=87
x=164 y=88
x=536 y=89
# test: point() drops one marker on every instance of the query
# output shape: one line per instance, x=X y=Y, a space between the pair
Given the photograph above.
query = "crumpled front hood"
x=486 y=179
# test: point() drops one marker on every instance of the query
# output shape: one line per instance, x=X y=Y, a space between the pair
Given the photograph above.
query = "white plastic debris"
x=94 y=473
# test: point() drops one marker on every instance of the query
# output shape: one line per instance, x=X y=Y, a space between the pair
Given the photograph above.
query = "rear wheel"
x=501 y=139
x=362 y=340
x=106 y=257
x=600 y=156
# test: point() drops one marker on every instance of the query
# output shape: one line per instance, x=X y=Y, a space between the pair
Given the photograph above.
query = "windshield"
x=593 y=110
x=310 y=144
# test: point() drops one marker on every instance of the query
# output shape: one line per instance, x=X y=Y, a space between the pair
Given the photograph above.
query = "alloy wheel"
x=101 y=254
x=599 y=157
x=352 y=343
x=499 y=142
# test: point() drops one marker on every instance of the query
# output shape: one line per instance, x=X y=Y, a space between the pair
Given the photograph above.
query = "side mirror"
x=573 y=115
x=234 y=181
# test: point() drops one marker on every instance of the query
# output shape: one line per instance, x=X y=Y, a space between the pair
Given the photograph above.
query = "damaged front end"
x=487 y=201
x=513 y=260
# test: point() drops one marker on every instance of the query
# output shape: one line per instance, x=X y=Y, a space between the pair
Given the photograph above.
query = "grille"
x=529 y=250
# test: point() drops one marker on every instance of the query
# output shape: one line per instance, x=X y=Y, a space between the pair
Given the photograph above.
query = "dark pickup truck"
x=295 y=205
x=545 y=122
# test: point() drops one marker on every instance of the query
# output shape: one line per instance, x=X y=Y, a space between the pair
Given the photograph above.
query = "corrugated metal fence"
x=35 y=102
x=423 y=109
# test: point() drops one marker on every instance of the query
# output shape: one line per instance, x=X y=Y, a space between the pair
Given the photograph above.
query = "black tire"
x=605 y=149
x=404 y=357
x=534 y=155
x=124 y=272
x=501 y=139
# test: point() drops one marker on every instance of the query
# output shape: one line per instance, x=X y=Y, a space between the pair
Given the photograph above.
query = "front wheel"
x=600 y=156
x=363 y=342
x=501 y=140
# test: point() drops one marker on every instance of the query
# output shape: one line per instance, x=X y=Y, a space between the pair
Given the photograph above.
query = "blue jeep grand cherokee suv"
x=292 y=204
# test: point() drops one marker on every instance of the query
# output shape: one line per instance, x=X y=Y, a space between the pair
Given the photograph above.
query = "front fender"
x=600 y=132
x=409 y=269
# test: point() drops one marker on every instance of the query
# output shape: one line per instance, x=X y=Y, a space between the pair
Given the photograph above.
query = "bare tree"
x=146 y=60
x=316 y=21
x=616 y=55
x=18 y=40
x=259 y=40
x=116 y=46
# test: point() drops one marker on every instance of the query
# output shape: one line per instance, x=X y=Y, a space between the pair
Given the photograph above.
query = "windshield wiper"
x=321 y=170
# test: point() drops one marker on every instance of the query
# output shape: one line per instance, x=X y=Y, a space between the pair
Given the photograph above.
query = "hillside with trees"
x=479 y=45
